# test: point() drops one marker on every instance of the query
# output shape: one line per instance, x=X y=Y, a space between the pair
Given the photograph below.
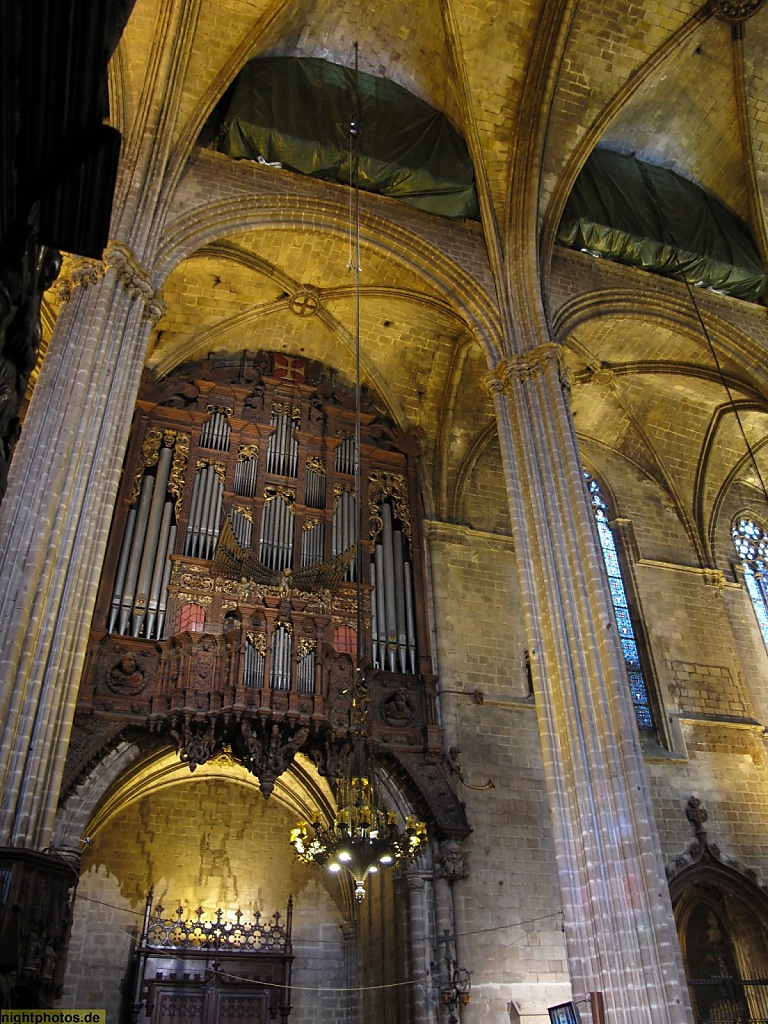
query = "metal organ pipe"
x=151 y=538
x=315 y=489
x=211 y=527
x=389 y=586
x=159 y=567
x=216 y=433
x=204 y=510
x=280 y=669
x=122 y=565
x=245 y=477
x=344 y=460
x=305 y=673
x=162 y=604
x=378 y=599
x=344 y=528
x=312 y=549
x=197 y=489
x=253 y=671
x=410 y=618
x=134 y=560
x=397 y=560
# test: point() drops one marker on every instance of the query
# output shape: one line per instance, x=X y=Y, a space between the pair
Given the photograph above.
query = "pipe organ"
x=276 y=458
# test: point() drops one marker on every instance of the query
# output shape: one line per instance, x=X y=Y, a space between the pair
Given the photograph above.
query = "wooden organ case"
x=210 y=661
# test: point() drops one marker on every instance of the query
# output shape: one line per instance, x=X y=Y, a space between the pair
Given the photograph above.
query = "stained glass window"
x=621 y=608
x=752 y=545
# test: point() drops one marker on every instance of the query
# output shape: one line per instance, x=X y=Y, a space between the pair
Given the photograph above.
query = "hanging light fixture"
x=363 y=836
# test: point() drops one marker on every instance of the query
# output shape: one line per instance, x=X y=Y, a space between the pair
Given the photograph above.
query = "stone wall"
x=210 y=843
x=508 y=918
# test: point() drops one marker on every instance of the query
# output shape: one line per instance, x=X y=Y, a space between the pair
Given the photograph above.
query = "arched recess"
x=722 y=922
x=671 y=312
x=591 y=138
x=466 y=295
x=209 y=839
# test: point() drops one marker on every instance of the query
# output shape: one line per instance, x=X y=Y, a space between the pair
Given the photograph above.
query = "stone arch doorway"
x=722 y=922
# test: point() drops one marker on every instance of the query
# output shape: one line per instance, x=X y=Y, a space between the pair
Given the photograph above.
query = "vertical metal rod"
x=389 y=585
x=137 y=546
x=399 y=599
x=374 y=617
x=122 y=565
x=280 y=527
x=410 y=618
x=158 y=568
x=215 y=516
x=163 y=602
x=381 y=611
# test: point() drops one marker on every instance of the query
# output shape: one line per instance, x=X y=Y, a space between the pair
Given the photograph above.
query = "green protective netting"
x=297 y=110
x=646 y=216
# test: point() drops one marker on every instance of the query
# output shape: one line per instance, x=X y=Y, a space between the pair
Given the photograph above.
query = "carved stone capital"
x=84 y=272
x=130 y=273
x=528 y=366
x=132 y=276
x=155 y=310
x=493 y=382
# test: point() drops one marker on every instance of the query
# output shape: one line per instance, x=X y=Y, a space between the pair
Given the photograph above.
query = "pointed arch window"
x=627 y=632
x=751 y=542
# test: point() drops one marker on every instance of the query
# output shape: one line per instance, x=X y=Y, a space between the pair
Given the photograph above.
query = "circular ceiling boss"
x=736 y=10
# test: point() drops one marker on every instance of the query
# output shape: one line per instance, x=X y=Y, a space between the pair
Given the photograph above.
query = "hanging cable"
x=718 y=366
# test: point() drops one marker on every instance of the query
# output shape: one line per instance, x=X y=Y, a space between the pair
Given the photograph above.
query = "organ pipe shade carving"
x=242 y=525
x=246 y=471
x=216 y=431
x=254 y=660
x=313 y=542
x=344 y=460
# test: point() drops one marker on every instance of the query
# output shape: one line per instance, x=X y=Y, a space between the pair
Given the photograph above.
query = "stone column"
x=352 y=974
x=620 y=931
x=420 y=927
x=54 y=523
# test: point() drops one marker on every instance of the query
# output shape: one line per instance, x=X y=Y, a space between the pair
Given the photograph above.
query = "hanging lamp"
x=363 y=836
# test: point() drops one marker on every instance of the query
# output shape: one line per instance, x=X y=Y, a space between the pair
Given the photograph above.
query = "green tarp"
x=646 y=216
x=297 y=110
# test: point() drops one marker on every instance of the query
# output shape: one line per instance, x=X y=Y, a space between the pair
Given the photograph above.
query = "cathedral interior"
x=384 y=450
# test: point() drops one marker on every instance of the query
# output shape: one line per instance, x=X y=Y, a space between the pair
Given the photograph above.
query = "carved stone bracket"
x=451 y=860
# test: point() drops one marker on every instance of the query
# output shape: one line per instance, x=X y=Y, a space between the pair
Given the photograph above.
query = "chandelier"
x=363 y=836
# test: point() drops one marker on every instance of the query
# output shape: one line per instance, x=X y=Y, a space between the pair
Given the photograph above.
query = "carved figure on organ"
x=238 y=562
